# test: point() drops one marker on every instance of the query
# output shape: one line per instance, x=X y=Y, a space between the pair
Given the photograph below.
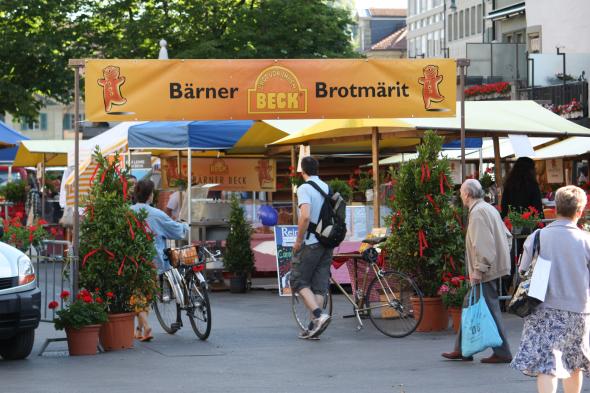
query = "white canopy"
x=490 y=118
x=570 y=147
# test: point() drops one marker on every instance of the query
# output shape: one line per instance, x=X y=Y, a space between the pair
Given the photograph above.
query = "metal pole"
x=560 y=53
x=462 y=63
x=375 y=162
x=42 y=188
x=293 y=195
x=445 y=29
x=76 y=229
x=189 y=171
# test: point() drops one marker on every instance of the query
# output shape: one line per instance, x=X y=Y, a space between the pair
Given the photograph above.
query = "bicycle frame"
x=179 y=285
x=360 y=293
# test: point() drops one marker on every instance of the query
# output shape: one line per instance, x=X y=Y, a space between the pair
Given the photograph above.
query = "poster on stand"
x=285 y=236
x=554 y=169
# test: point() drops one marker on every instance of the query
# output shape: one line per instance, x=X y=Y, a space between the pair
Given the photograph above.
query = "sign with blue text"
x=285 y=236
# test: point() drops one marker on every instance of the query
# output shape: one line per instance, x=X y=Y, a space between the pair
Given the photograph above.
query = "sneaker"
x=319 y=323
x=305 y=335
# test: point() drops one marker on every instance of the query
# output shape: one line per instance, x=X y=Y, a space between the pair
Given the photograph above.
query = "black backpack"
x=330 y=229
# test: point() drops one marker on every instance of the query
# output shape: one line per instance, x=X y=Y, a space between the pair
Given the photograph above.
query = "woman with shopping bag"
x=555 y=341
x=487 y=255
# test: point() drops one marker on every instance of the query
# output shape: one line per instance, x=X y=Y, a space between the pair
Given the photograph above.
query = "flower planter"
x=83 y=341
x=455 y=313
x=369 y=195
x=521 y=230
x=117 y=333
x=435 y=317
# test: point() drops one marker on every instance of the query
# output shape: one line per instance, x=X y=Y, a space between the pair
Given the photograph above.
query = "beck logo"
x=277 y=90
x=111 y=87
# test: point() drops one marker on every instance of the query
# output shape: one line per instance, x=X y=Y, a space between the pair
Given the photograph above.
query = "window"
x=423 y=6
x=412 y=7
x=450 y=26
x=519 y=39
x=412 y=48
x=430 y=45
x=479 y=18
x=455 y=24
x=429 y=20
x=436 y=18
x=534 y=43
x=461 y=25
x=39 y=125
x=436 y=46
x=467 y=29
x=473 y=27
x=508 y=38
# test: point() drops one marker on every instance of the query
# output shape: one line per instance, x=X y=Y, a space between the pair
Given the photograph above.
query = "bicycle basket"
x=187 y=255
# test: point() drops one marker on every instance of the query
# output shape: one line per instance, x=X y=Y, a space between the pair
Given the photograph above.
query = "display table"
x=263 y=246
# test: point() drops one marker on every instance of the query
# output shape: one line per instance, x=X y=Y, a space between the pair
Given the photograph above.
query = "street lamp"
x=559 y=53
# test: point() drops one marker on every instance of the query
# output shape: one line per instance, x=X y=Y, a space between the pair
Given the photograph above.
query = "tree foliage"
x=39 y=36
x=116 y=246
x=427 y=239
x=238 y=258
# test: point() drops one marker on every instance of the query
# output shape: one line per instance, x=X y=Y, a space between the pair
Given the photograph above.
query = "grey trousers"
x=490 y=294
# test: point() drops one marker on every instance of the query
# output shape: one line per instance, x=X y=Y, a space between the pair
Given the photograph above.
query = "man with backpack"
x=321 y=227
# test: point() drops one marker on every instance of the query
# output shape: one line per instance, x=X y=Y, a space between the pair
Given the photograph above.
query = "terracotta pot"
x=117 y=333
x=435 y=314
x=83 y=341
x=456 y=317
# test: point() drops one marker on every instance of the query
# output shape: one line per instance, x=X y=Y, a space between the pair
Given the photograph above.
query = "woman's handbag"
x=478 y=328
x=521 y=303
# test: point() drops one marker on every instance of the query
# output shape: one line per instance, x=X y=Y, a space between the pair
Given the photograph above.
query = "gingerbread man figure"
x=111 y=87
x=430 y=82
x=264 y=172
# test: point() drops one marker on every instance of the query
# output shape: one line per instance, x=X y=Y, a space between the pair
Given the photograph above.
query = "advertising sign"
x=230 y=174
x=118 y=90
x=554 y=169
x=285 y=236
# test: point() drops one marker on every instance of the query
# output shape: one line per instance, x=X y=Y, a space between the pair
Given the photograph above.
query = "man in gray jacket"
x=487 y=255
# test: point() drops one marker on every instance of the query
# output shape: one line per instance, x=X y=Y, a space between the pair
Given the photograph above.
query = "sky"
x=381 y=4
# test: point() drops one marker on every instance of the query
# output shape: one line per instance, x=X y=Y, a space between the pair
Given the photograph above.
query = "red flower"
x=42 y=222
x=84 y=292
x=526 y=215
x=541 y=225
x=53 y=305
x=533 y=210
x=110 y=295
x=87 y=299
x=508 y=223
x=64 y=294
x=33 y=228
x=351 y=182
x=53 y=231
x=357 y=171
x=370 y=172
x=99 y=300
x=19 y=215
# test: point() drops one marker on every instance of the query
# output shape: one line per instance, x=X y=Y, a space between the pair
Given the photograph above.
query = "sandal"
x=138 y=335
x=147 y=336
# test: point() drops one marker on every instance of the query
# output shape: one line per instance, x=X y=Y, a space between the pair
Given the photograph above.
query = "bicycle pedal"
x=349 y=316
x=176 y=325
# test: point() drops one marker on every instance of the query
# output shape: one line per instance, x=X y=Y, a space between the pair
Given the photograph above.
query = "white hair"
x=473 y=188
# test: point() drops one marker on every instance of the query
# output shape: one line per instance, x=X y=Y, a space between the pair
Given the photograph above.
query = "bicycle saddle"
x=375 y=240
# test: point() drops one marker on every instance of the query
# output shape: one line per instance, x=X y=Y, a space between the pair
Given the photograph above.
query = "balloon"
x=268 y=215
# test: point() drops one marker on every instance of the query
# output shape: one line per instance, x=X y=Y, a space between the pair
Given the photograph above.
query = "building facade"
x=376 y=25
x=426 y=28
x=55 y=121
x=465 y=24
x=565 y=26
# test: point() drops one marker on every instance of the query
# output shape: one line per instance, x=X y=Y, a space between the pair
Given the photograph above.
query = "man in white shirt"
x=174 y=205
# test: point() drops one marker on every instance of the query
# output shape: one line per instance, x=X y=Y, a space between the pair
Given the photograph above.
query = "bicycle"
x=184 y=288
x=389 y=300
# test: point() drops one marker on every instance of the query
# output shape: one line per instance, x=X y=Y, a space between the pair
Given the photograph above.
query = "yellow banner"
x=230 y=174
x=118 y=90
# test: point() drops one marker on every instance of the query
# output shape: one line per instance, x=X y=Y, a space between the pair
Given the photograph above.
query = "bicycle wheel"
x=166 y=309
x=302 y=314
x=390 y=306
x=199 y=309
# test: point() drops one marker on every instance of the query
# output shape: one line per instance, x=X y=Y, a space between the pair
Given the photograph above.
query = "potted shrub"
x=238 y=257
x=342 y=187
x=452 y=292
x=24 y=237
x=365 y=184
x=522 y=222
x=15 y=192
x=427 y=238
x=116 y=251
x=81 y=319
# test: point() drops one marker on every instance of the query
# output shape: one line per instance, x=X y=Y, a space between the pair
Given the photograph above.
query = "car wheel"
x=18 y=347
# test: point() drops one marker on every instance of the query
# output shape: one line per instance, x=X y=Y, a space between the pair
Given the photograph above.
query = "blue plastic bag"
x=478 y=328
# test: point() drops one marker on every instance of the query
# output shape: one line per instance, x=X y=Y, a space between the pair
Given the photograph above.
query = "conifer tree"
x=427 y=238
x=238 y=257
x=116 y=244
